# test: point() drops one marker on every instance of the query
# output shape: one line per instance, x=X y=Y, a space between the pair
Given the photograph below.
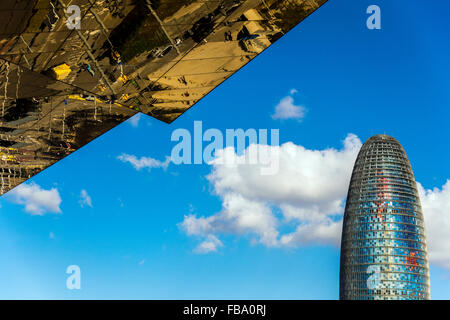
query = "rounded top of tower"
x=379 y=149
x=380 y=138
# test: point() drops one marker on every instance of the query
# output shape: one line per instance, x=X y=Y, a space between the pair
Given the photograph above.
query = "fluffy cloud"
x=238 y=216
x=144 y=162
x=85 y=199
x=286 y=109
x=307 y=194
x=436 y=210
x=36 y=200
x=209 y=245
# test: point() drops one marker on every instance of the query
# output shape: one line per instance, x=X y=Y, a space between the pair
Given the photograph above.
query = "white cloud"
x=327 y=231
x=36 y=200
x=144 y=162
x=238 y=216
x=196 y=226
x=120 y=202
x=211 y=244
x=286 y=109
x=51 y=235
x=134 y=120
x=85 y=199
x=436 y=210
x=307 y=194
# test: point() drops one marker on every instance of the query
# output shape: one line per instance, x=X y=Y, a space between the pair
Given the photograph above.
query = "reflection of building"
x=384 y=252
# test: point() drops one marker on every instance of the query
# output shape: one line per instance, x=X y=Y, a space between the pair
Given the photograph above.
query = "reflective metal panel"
x=61 y=87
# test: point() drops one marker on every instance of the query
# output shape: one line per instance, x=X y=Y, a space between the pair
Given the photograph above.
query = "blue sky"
x=133 y=239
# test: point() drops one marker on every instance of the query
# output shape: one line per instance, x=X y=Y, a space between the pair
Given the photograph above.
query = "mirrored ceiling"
x=62 y=84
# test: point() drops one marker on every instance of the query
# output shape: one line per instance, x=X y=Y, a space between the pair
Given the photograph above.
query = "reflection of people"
x=228 y=36
x=182 y=80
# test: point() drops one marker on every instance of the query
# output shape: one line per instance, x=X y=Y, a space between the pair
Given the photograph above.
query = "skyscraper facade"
x=383 y=250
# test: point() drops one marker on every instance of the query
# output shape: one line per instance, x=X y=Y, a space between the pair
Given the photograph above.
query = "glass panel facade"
x=383 y=251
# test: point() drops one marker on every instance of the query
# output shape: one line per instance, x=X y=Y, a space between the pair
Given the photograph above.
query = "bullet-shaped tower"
x=383 y=249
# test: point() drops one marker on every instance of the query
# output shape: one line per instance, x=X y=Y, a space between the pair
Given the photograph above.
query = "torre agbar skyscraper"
x=383 y=250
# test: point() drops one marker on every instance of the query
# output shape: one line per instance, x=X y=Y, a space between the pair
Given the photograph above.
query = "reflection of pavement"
x=205 y=66
x=184 y=18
